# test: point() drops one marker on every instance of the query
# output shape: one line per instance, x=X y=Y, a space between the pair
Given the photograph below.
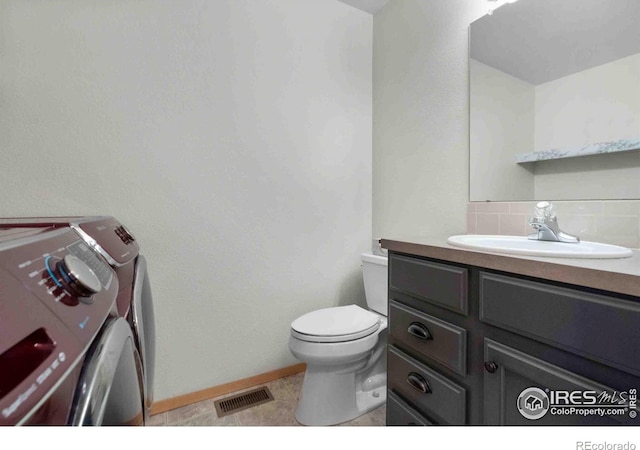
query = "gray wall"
x=421 y=116
x=234 y=139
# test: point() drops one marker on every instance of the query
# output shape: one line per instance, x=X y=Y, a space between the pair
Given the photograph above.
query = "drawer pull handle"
x=418 y=382
x=490 y=366
x=420 y=331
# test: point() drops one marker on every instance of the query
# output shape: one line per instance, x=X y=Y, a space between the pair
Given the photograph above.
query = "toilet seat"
x=338 y=324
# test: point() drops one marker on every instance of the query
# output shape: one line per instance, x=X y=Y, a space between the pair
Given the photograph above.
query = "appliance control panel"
x=109 y=238
x=76 y=284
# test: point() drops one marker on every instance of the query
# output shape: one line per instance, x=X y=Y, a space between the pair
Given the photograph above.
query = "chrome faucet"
x=545 y=223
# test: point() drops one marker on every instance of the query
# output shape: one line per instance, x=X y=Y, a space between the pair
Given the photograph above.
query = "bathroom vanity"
x=471 y=332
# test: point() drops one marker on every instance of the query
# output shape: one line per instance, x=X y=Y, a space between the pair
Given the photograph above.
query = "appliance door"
x=110 y=388
x=144 y=328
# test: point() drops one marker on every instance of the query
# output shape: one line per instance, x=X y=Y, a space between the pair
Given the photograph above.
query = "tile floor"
x=280 y=411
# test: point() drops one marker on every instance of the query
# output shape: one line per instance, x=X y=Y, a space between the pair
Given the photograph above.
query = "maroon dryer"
x=66 y=357
x=77 y=339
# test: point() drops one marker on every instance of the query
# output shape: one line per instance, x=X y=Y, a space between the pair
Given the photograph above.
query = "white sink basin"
x=521 y=245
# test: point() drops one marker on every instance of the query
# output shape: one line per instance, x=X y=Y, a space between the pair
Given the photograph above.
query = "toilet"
x=345 y=351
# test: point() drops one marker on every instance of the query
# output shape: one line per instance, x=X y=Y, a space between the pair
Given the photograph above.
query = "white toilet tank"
x=374 y=274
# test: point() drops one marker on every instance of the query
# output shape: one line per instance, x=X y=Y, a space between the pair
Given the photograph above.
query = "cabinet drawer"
x=430 y=336
x=598 y=327
x=399 y=413
x=439 y=284
x=425 y=389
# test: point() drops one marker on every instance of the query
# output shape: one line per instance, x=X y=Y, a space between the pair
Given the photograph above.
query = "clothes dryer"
x=66 y=356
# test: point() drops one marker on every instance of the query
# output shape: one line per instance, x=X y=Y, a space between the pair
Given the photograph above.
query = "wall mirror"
x=555 y=101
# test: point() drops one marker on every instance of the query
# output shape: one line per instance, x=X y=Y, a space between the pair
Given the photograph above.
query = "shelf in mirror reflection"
x=600 y=148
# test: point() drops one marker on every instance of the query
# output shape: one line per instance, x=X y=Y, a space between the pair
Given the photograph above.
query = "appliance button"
x=79 y=276
x=125 y=235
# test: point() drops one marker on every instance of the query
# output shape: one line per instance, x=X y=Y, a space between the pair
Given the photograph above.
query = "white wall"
x=421 y=116
x=234 y=139
x=596 y=105
x=503 y=109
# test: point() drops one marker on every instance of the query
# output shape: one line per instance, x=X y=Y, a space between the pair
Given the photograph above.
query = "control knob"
x=79 y=276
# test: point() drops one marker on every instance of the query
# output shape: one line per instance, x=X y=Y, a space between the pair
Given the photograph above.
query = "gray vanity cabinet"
x=467 y=344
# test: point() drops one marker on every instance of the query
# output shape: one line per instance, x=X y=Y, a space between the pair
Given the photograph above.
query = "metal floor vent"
x=236 y=403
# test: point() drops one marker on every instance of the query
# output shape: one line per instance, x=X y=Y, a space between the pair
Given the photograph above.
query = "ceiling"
x=538 y=41
x=370 y=6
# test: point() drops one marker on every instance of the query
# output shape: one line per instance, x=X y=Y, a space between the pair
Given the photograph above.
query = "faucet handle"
x=545 y=210
x=545 y=223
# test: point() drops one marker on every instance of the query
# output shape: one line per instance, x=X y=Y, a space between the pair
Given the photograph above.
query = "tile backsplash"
x=609 y=221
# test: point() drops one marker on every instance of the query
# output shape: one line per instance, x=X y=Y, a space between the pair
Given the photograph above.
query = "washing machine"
x=67 y=355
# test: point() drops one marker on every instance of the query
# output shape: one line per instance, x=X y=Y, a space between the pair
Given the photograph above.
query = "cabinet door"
x=598 y=327
x=508 y=383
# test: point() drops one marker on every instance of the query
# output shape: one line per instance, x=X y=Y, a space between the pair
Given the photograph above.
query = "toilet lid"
x=338 y=324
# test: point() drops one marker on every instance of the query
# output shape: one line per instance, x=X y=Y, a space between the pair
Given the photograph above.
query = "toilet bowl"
x=344 y=348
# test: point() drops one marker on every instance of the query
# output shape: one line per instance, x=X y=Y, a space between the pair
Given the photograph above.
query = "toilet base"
x=330 y=398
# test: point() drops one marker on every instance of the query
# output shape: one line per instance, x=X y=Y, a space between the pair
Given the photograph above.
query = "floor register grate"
x=246 y=400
